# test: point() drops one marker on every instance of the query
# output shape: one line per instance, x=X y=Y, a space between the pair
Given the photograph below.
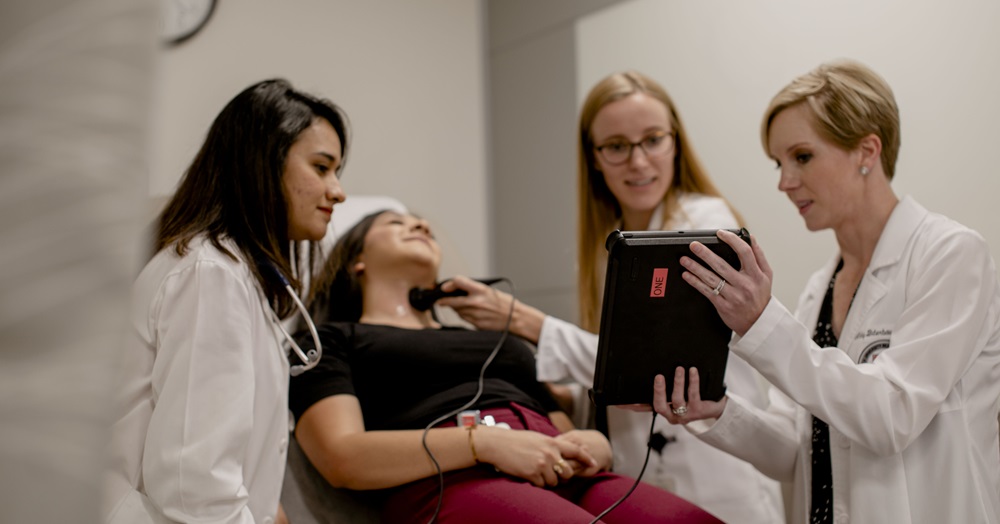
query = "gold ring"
x=557 y=467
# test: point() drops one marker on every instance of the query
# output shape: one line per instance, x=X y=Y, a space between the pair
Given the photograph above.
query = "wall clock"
x=182 y=19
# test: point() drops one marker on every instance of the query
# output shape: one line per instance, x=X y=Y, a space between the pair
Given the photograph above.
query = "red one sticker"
x=659 y=287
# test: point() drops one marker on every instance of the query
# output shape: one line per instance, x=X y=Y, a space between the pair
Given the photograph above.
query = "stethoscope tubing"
x=311 y=359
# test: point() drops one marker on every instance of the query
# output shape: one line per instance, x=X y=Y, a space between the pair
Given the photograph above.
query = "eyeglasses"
x=620 y=151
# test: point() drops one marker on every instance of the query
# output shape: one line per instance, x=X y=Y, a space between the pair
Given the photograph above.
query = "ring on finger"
x=558 y=467
x=719 y=286
x=680 y=411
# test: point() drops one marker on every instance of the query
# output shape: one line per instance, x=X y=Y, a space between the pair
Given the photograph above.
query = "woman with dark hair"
x=360 y=433
x=203 y=428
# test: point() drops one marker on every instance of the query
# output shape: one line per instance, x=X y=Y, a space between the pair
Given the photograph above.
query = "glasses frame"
x=632 y=145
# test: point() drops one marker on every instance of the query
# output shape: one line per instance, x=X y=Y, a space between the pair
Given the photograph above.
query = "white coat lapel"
x=870 y=292
x=874 y=286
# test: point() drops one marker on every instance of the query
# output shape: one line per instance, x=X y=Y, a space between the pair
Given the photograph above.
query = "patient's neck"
x=387 y=302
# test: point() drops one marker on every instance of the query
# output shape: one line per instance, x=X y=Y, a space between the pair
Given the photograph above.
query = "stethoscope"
x=311 y=358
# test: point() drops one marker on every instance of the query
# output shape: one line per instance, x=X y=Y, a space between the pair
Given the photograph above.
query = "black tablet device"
x=653 y=321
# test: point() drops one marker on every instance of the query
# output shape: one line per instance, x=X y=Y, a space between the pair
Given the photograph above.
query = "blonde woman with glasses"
x=637 y=170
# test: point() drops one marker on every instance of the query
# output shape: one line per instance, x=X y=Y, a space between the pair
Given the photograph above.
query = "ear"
x=870 y=149
x=359 y=268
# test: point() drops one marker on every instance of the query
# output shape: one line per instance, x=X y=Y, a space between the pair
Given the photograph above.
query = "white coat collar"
x=902 y=223
x=898 y=231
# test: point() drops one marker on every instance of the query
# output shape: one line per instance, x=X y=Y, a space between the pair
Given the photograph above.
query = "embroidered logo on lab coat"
x=873 y=351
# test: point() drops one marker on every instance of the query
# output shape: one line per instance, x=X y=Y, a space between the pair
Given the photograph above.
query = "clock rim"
x=183 y=37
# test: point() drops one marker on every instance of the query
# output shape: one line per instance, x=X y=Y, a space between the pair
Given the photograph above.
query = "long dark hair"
x=336 y=292
x=233 y=187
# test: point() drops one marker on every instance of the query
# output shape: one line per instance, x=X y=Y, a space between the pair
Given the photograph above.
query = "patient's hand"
x=488 y=308
x=537 y=458
x=595 y=443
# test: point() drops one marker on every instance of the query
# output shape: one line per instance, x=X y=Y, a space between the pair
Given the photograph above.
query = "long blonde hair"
x=599 y=211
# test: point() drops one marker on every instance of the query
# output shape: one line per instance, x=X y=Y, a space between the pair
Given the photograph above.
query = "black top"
x=821 y=509
x=406 y=378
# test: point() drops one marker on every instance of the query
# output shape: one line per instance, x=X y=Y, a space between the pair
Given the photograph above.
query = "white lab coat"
x=723 y=485
x=913 y=433
x=204 y=427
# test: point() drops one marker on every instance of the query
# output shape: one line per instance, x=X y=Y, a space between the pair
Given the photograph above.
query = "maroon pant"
x=482 y=495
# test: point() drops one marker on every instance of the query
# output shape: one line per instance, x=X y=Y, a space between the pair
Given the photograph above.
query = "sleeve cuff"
x=549 y=367
x=720 y=430
x=752 y=340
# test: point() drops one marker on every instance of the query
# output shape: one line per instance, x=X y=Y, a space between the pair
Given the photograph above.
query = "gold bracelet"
x=472 y=444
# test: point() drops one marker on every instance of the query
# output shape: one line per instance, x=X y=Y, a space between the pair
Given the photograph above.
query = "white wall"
x=410 y=75
x=723 y=61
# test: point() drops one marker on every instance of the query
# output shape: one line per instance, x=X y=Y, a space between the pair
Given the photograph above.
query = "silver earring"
x=864 y=170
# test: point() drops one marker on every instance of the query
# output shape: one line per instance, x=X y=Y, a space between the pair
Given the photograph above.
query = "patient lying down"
x=389 y=370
